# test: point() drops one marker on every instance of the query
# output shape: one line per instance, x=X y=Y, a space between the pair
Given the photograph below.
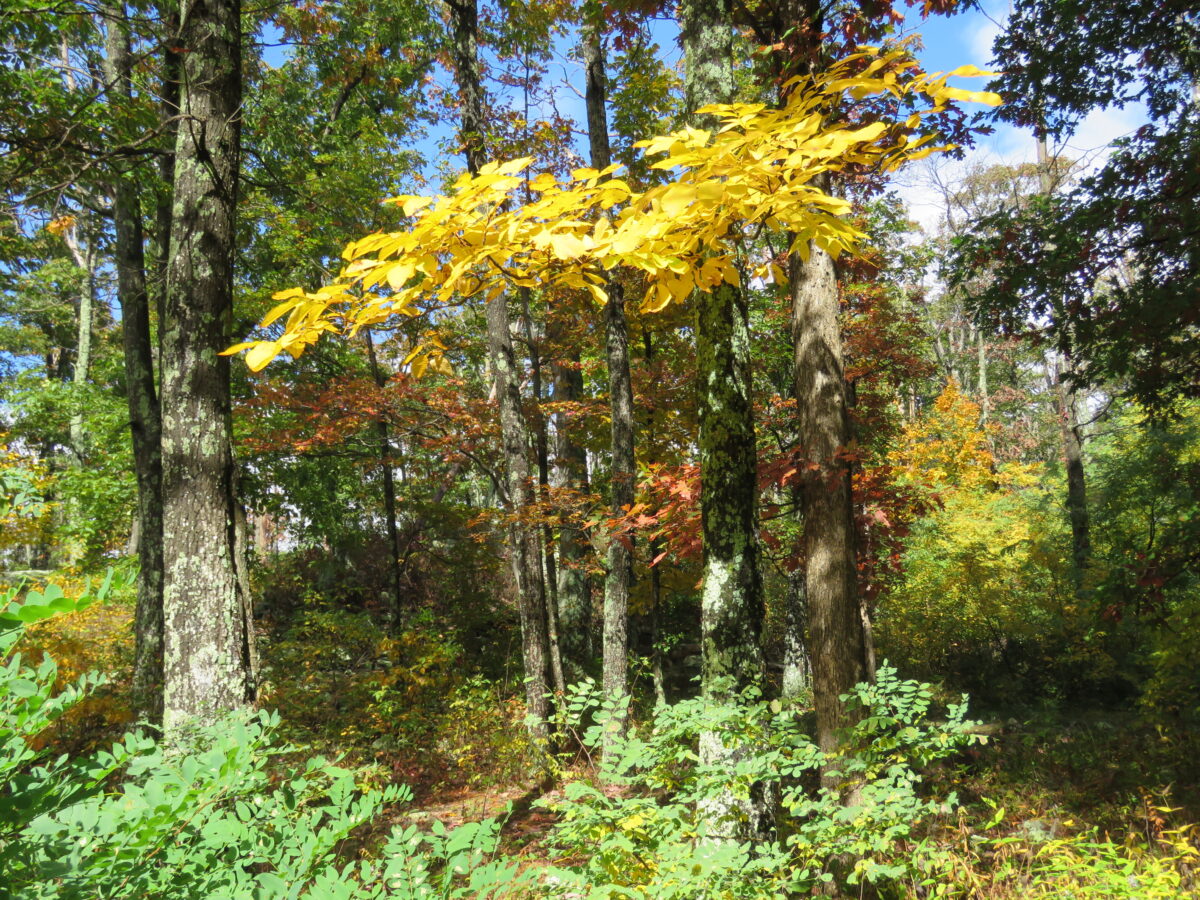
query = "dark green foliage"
x=1112 y=266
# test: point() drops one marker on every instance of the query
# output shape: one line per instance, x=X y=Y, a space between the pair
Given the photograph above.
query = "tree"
x=622 y=471
x=208 y=628
x=731 y=601
x=514 y=429
x=1111 y=265
x=804 y=37
x=145 y=424
x=683 y=236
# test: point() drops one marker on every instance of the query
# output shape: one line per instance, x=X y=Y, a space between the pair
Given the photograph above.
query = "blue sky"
x=967 y=39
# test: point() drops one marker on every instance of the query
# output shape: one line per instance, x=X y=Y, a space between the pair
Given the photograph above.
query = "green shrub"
x=212 y=816
x=645 y=839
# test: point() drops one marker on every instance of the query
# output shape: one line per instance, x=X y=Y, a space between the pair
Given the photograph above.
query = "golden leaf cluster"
x=759 y=170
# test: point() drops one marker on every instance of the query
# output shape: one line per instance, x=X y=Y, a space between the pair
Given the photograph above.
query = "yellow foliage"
x=946 y=447
x=758 y=170
x=96 y=639
x=25 y=514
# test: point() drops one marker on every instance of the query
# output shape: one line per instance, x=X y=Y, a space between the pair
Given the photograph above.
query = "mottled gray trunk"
x=207 y=665
x=542 y=452
x=514 y=430
x=985 y=401
x=797 y=667
x=620 y=554
x=835 y=621
x=654 y=547
x=622 y=469
x=731 y=594
x=85 y=258
x=145 y=426
x=464 y=50
x=522 y=537
x=168 y=110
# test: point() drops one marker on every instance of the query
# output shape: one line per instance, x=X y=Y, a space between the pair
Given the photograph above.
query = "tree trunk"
x=514 y=430
x=797 y=666
x=85 y=258
x=389 y=486
x=144 y=423
x=835 y=624
x=1072 y=440
x=168 y=110
x=619 y=576
x=523 y=540
x=208 y=639
x=985 y=400
x=731 y=595
x=570 y=471
x=542 y=452
x=1068 y=417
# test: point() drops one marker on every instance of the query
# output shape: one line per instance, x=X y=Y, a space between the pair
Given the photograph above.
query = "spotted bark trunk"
x=797 y=665
x=144 y=423
x=731 y=593
x=207 y=626
x=619 y=576
x=523 y=544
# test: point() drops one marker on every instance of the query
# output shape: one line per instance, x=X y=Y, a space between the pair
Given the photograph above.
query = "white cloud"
x=980 y=39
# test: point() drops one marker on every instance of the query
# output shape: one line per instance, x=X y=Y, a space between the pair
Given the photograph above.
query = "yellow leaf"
x=677 y=198
x=398 y=275
x=287 y=306
x=660 y=301
x=410 y=206
x=710 y=191
x=261 y=354
x=568 y=246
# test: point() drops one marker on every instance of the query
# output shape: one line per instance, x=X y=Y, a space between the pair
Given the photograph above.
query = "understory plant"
x=640 y=836
x=216 y=815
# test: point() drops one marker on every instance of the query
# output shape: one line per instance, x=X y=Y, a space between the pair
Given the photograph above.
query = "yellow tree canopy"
x=759 y=170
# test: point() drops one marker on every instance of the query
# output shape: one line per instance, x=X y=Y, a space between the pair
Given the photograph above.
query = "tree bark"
x=570 y=471
x=1068 y=416
x=514 y=430
x=835 y=624
x=731 y=595
x=207 y=658
x=622 y=470
x=542 y=452
x=1072 y=441
x=523 y=540
x=389 y=486
x=144 y=422
x=797 y=665
x=168 y=110
x=85 y=258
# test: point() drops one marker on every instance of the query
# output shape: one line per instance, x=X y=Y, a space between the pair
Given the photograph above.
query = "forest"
x=599 y=449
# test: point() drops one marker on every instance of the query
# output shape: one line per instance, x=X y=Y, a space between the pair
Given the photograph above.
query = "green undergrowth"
x=925 y=805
